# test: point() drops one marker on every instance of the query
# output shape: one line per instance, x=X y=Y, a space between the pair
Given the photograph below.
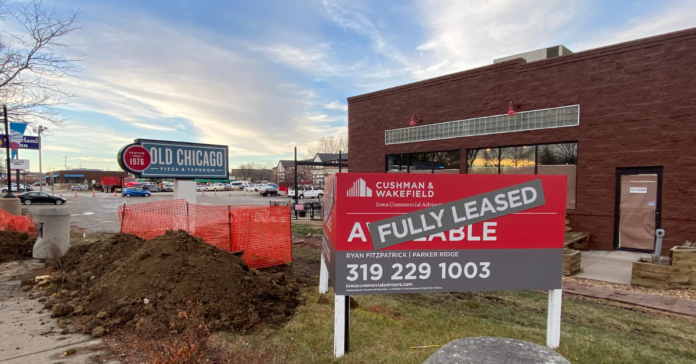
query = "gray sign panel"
x=453 y=215
x=409 y=271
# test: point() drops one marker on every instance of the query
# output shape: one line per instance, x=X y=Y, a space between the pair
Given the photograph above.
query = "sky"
x=265 y=76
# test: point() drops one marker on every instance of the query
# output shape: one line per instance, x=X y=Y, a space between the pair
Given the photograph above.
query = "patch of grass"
x=383 y=328
x=302 y=228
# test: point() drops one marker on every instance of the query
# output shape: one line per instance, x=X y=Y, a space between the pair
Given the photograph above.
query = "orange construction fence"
x=20 y=224
x=262 y=232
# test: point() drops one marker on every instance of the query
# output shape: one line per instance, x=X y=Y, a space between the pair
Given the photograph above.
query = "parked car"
x=238 y=185
x=14 y=188
x=78 y=188
x=216 y=187
x=27 y=187
x=252 y=188
x=200 y=188
x=268 y=191
x=29 y=198
x=135 y=191
x=151 y=187
x=167 y=187
x=311 y=193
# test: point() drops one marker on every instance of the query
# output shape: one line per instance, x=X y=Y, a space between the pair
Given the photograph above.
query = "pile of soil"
x=143 y=285
x=15 y=246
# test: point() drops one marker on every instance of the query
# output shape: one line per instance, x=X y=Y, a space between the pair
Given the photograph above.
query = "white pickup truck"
x=306 y=192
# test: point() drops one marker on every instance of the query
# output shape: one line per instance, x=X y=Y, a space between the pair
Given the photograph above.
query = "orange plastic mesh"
x=20 y=224
x=262 y=232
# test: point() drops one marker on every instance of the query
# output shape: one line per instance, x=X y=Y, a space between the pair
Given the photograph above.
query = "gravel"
x=687 y=294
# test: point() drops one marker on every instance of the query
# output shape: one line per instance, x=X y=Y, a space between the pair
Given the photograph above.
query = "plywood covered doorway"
x=638 y=208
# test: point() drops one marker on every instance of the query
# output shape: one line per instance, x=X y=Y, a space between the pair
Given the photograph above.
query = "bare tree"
x=330 y=144
x=30 y=62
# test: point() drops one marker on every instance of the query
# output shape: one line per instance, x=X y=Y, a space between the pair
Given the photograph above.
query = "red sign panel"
x=366 y=198
x=136 y=158
x=401 y=233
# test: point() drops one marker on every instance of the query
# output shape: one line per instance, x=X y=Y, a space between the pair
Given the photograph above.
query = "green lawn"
x=384 y=327
x=301 y=227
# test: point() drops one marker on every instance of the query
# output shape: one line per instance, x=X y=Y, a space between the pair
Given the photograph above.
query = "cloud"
x=674 y=17
x=153 y=127
x=335 y=105
x=144 y=71
x=58 y=148
x=468 y=34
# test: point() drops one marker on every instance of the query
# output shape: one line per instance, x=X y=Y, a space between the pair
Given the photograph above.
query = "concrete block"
x=54 y=231
x=11 y=205
x=185 y=190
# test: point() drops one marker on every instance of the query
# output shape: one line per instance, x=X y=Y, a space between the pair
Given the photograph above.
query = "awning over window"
x=73 y=175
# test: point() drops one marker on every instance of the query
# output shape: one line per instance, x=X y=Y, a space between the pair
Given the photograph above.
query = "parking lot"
x=100 y=213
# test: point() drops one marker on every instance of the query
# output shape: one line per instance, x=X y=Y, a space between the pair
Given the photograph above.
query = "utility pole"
x=66 y=162
x=296 y=187
x=41 y=130
x=7 y=149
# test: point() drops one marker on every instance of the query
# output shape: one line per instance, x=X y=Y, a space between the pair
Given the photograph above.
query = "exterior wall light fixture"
x=414 y=120
x=513 y=105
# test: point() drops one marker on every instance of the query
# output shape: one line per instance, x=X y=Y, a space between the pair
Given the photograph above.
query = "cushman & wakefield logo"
x=360 y=189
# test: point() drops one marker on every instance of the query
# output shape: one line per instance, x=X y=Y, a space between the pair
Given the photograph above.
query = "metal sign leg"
x=323 y=278
x=553 y=323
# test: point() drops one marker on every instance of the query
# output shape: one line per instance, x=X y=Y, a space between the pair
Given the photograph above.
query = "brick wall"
x=637 y=109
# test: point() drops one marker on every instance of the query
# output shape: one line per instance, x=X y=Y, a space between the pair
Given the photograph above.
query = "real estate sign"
x=415 y=233
x=167 y=159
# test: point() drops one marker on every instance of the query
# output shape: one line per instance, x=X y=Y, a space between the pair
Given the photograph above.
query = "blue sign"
x=28 y=142
x=175 y=160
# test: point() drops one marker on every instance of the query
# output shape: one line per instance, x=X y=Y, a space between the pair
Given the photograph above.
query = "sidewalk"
x=669 y=304
x=28 y=334
x=608 y=266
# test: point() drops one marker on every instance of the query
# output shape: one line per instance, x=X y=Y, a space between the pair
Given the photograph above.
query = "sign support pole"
x=323 y=278
x=553 y=323
x=7 y=150
x=339 y=325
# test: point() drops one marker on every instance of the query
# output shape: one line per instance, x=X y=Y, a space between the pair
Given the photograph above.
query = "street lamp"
x=7 y=150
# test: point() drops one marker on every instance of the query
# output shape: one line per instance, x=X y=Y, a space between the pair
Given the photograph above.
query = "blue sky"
x=265 y=76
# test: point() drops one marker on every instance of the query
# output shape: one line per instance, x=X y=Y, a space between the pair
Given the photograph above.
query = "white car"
x=216 y=187
x=252 y=188
x=310 y=192
x=200 y=188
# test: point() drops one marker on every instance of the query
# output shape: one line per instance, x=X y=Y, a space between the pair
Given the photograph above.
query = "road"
x=100 y=213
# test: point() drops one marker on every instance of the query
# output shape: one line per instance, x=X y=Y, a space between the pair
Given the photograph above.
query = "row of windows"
x=524 y=120
x=543 y=159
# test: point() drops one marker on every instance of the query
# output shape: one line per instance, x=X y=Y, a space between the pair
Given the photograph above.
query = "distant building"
x=285 y=172
x=79 y=176
x=319 y=172
x=251 y=175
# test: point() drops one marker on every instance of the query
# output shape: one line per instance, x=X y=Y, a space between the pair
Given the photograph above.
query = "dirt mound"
x=126 y=281
x=15 y=246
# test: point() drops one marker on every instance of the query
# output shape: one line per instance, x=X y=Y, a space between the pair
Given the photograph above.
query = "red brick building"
x=620 y=121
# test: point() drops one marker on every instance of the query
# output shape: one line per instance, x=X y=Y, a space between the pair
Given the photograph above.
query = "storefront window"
x=397 y=163
x=517 y=160
x=446 y=162
x=549 y=159
x=429 y=162
x=483 y=161
x=421 y=163
x=561 y=158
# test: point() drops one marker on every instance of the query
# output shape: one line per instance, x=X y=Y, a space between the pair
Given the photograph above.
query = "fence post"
x=229 y=224
x=123 y=216
x=188 y=222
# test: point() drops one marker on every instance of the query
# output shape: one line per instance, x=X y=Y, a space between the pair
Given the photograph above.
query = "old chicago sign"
x=167 y=159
